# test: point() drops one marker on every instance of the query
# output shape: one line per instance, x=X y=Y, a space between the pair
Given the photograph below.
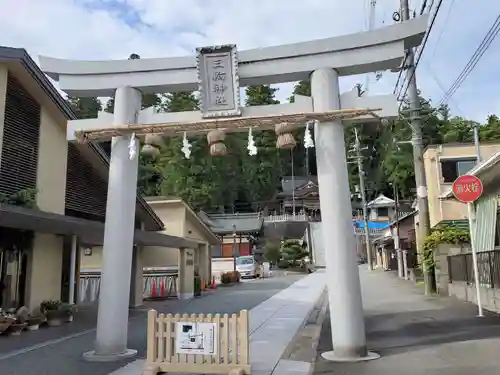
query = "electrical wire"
x=422 y=11
x=441 y=87
x=474 y=60
x=424 y=43
x=445 y=22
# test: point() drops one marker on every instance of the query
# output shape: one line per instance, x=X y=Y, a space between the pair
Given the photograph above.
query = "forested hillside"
x=239 y=182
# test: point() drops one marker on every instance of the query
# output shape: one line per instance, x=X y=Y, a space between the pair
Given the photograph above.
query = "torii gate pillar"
x=112 y=316
x=344 y=289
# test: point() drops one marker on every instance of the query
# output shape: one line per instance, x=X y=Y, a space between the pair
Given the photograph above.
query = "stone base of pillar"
x=184 y=296
x=331 y=356
x=92 y=356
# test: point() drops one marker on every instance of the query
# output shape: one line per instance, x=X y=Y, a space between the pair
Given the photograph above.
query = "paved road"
x=418 y=335
x=64 y=358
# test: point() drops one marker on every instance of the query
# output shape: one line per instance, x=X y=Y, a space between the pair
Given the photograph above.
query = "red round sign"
x=467 y=188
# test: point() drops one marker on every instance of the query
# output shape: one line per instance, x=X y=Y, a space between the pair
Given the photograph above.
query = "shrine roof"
x=381 y=201
x=238 y=222
x=291 y=183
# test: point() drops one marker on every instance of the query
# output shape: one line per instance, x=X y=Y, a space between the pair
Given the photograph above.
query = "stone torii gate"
x=321 y=61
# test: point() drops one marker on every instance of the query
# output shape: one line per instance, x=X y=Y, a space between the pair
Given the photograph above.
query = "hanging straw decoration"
x=150 y=150
x=186 y=147
x=155 y=140
x=152 y=145
x=252 y=149
x=308 y=141
x=216 y=139
x=285 y=136
x=132 y=147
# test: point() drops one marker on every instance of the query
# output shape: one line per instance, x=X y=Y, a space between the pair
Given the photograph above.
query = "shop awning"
x=91 y=232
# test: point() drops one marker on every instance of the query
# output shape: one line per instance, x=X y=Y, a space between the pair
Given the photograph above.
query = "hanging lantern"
x=285 y=136
x=216 y=139
x=150 y=150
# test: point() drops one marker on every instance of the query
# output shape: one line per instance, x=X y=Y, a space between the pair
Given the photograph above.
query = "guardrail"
x=208 y=344
x=371 y=231
x=164 y=282
x=286 y=217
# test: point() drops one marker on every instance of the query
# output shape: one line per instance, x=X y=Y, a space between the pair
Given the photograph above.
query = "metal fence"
x=488 y=263
x=164 y=282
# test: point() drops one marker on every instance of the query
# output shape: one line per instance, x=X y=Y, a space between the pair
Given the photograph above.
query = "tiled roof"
x=289 y=183
x=243 y=222
x=381 y=201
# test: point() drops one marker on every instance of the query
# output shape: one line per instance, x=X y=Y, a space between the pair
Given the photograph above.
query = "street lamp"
x=234 y=247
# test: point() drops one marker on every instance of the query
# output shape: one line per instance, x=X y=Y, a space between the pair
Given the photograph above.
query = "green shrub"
x=226 y=278
x=235 y=276
x=272 y=252
x=283 y=264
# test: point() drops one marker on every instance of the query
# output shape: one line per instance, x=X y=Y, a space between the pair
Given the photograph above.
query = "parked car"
x=247 y=266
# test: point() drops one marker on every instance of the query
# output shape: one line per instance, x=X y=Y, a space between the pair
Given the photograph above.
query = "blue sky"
x=113 y=29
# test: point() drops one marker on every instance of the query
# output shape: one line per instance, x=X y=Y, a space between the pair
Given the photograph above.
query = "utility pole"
x=399 y=254
x=477 y=144
x=418 y=151
x=293 y=184
x=361 y=172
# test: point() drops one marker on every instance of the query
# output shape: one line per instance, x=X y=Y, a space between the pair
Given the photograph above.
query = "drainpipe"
x=72 y=272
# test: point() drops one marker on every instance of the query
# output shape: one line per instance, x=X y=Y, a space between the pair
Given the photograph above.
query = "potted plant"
x=52 y=311
x=17 y=327
x=34 y=322
x=6 y=320
x=67 y=311
x=235 y=277
x=225 y=278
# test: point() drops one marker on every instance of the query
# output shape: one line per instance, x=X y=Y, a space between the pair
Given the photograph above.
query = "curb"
x=322 y=302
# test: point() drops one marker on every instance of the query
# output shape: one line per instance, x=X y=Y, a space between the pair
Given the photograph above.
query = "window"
x=452 y=169
x=383 y=211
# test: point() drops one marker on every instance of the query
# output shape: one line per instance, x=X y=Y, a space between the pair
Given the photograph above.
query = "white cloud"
x=112 y=29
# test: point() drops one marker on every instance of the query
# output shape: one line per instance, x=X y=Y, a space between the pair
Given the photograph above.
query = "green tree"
x=262 y=172
x=85 y=108
x=203 y=181
x=272 y=252
x=301 y=88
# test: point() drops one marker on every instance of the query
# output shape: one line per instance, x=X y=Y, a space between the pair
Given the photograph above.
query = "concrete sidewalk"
x=418 y=335
x=273 y=326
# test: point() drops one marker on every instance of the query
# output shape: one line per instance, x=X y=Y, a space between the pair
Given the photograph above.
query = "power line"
x=438 y=39
x=422 y=10
x=441 y=87
x=424 y=43
x=474 y=60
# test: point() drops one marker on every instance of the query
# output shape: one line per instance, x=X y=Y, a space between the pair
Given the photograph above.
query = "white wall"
x=318 y=250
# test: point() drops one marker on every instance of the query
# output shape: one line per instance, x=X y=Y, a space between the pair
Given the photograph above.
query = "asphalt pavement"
x=62 y=356
x=417 y=334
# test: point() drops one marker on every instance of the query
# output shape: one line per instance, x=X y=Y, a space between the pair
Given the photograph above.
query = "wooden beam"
x=234 y=124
